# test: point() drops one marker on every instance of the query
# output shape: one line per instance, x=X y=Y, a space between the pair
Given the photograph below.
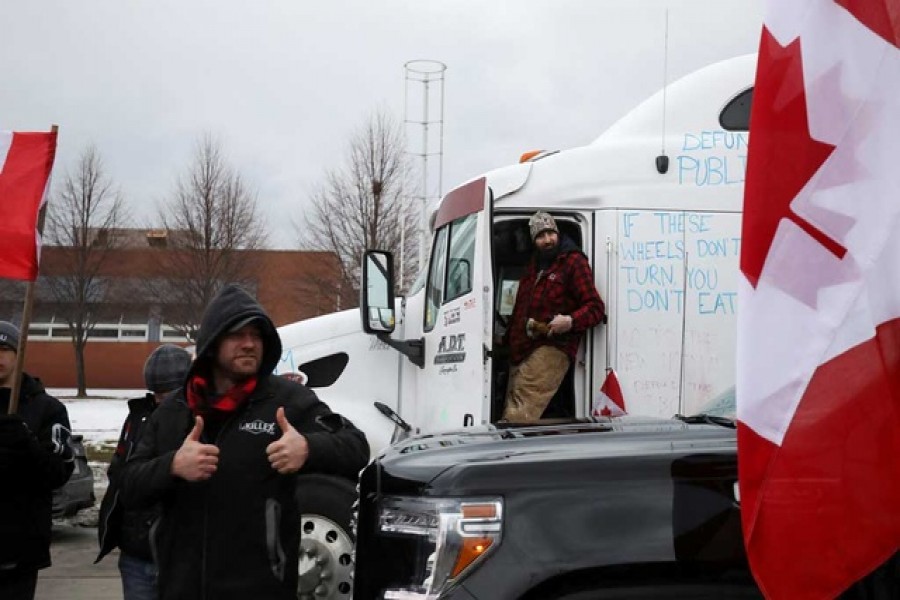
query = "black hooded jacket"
x=35 y=459
x=127 y=529
x=237 y=534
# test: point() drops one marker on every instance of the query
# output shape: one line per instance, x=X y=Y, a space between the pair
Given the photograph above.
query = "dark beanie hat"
x=166 y=368
x=9 y=335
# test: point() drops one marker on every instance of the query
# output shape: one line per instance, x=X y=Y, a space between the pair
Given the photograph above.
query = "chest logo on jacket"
x=258 y=426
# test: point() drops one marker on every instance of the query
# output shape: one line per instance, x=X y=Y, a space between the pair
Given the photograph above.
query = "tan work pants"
x=533 y=382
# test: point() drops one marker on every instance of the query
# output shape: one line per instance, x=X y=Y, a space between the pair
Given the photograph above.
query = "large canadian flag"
x=25 y=163
x=819 y=322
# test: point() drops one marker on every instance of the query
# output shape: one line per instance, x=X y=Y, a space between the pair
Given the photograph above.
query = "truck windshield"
x=722 y=405
x=721 y=410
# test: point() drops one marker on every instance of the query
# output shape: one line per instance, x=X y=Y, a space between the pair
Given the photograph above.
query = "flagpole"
x=608 y=300
x=29 y=302
x=684 y=299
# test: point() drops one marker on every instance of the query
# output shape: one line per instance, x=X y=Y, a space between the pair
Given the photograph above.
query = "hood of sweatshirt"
x=233 y=306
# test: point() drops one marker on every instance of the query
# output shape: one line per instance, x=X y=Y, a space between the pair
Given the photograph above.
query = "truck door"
x=454 y=389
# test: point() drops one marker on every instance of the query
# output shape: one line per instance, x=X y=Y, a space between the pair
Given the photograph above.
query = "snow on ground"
x=98 y=418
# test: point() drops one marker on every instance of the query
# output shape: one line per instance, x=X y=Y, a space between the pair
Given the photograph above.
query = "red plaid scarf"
x=198 y=397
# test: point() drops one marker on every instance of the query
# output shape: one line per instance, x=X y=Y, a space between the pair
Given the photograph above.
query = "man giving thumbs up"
x=222 y=457
x=195 y=461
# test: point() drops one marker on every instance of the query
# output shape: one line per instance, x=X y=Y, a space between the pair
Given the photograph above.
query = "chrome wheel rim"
x=325 y=567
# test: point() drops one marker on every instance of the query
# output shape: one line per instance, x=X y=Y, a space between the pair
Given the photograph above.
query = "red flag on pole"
x=609 y=402
x=25 y=163
x=819 y=326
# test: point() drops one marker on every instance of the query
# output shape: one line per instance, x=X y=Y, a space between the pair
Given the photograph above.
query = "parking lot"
x=73 y=575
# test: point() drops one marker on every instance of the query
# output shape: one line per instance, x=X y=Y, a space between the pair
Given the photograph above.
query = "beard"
x=241 y=368
x=546 y=257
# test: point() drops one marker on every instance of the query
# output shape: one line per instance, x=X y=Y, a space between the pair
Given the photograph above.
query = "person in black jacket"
x=164 y=373
x=223 y=456
x=35 y=459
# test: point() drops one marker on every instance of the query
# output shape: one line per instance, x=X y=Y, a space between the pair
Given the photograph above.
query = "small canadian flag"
x=609 y=402
x=25 y=163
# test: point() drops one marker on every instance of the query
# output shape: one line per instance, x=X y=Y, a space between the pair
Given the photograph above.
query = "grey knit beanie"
x=9 y=335
x=541 y=222
x=166 y=368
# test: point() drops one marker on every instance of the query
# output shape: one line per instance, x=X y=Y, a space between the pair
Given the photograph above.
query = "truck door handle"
x=468 y=420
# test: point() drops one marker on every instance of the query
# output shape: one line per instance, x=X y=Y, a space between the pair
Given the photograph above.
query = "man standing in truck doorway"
x=556 y=303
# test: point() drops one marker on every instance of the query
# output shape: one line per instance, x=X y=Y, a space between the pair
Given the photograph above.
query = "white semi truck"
x=655 y=205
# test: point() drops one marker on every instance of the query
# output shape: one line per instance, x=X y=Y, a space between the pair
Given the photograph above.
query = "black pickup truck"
x=609 y=508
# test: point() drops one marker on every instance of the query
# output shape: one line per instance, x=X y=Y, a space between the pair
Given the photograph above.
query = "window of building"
x=58 y=330
x=132 y=333
x=169 y=334
x=102 y=332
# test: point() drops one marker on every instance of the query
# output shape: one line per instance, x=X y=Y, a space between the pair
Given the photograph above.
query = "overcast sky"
x=283 y=83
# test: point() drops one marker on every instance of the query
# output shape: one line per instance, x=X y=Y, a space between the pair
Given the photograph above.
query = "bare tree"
x=367 y=203
x=211 y=220
x=83 y=218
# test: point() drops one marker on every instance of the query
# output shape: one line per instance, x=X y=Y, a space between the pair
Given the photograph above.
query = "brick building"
x=292 y=285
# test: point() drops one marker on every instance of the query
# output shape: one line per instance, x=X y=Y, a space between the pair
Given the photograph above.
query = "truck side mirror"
x=377 y=292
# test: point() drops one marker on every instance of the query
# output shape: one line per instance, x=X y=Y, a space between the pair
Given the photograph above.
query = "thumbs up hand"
x=290 y=451
x=195 y=461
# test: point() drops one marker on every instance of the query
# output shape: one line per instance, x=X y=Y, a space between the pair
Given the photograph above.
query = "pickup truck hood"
x=627 y=494
x=469 y=459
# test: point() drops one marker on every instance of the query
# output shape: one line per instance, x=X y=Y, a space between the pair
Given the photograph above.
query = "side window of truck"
x=462 y=257
x=452 y=264
x=434 y=292
x=736 y=114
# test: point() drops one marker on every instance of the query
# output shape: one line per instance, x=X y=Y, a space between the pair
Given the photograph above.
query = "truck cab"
x=656 y=209
x=655 y=205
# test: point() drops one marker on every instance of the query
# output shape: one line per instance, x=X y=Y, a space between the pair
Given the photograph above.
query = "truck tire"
x=326 y=537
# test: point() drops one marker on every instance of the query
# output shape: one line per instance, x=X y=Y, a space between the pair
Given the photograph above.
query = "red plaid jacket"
x=565 y=288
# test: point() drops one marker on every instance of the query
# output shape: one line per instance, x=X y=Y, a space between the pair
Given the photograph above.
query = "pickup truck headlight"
x=456 y=534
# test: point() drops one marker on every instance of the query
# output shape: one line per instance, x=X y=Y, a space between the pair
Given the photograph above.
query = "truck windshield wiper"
x=706 y=418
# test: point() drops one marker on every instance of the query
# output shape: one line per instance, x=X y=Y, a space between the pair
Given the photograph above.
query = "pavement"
x=73 y=548
x=74 y=576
